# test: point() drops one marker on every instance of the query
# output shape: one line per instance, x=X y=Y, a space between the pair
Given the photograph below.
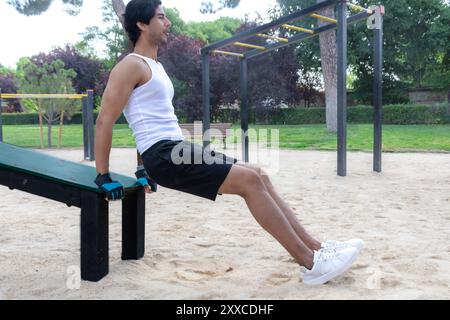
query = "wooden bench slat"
x=198 y=132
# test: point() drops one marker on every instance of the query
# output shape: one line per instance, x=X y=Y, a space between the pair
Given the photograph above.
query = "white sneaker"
x=339 y=245
x=329 y=264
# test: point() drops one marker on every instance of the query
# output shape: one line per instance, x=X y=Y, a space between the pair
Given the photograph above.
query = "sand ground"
x=198 y=249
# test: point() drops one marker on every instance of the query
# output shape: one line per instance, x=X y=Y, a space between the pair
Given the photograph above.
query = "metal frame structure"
x=88 y=115
x=374 y=17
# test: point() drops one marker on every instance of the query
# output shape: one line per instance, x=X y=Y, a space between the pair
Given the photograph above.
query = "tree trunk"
x=41 y=124
x=328 y=53
x=49 y=131
x=119 y=9
x=61 y=123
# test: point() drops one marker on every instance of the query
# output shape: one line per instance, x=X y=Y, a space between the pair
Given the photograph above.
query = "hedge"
x=392 y=114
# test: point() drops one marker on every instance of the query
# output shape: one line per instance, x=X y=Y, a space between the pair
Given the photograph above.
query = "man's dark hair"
x=138 y=11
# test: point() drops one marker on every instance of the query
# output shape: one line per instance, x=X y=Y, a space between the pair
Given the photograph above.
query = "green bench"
x=72 y=183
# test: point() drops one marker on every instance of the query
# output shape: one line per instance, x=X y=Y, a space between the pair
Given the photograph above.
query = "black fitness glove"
x=114 y=190
x=144 y=180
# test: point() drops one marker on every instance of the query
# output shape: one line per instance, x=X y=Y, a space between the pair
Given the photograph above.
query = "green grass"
x=360 y=137
x=301 y=137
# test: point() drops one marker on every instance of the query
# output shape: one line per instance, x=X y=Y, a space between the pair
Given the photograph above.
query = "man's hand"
x=113 y=189
x=145 y=181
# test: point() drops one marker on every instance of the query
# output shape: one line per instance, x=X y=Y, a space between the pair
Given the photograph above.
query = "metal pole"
x=206 y=98
x=378 y=96
x=244 y=110
x=342 y=87
x=85 y=130
x=1 y=121
x=90 y=125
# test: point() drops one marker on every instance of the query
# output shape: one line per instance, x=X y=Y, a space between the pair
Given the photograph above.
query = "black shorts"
x=187 y=167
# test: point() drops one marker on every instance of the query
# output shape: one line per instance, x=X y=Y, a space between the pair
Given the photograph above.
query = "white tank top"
x=150 y=112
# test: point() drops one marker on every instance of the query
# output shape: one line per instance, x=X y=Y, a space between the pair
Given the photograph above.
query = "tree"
x=316 y=56
x=182 y=61
x=48 y=78
x=178 y=25
x=8 y=84
x=416 y=44
x=112 y=35
x=90 y=73
x=36 y=7
x=208 y=7
x=212 y=31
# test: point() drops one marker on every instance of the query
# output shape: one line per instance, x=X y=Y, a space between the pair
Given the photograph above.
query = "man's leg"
x=312 y=243
x=249 y=185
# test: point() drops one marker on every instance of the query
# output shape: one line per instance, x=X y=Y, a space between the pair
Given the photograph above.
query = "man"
x=140 y=88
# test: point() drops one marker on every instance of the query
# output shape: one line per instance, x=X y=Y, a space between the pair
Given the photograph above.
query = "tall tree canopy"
x=36 y=7
x=210 y=7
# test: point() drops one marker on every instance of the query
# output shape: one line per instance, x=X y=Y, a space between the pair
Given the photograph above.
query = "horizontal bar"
x=359 y=8
x=274 y=24
x=300 y=37
x=261 y=35
x=287 y=26
x=248 y=45
x=44 y=96
x=318 y=16
x=227 y=53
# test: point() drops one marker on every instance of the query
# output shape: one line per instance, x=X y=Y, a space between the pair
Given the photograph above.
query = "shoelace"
x=335 y=244
x=327 y=254
x=329 y=249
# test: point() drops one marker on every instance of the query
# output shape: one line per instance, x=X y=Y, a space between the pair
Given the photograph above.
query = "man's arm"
x=140 y=162
x=122 y=81
x=149 y=184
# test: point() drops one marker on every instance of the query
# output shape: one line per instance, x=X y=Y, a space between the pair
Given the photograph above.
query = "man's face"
x=159 y=27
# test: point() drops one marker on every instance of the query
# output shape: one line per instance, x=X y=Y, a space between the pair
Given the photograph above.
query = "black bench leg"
x=94 y=236
x=133 y=226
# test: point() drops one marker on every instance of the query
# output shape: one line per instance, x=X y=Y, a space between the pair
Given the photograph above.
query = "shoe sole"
x=327 y=277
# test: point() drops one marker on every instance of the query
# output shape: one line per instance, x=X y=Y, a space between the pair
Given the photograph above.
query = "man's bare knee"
x=260 y=171
x=242 y=181
x=253 y=183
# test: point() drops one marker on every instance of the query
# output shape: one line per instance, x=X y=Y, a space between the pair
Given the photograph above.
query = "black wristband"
x=142 y=173
x=102 y=179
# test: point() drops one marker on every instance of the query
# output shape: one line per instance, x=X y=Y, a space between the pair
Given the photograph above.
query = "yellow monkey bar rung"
x=359 y=8
x=42 y=96
x=261 y=35
x=247 y=45
x=227 y=53
x=318 y=16
x=287 y=26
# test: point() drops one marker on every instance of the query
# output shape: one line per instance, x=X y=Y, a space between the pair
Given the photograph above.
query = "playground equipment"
x=88 y=114
x=374 y=17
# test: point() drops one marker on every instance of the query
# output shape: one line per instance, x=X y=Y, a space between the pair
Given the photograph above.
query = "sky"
x=24 y=36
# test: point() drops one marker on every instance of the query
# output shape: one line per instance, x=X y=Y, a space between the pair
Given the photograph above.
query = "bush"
x=417 y=114
x=402 y=114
